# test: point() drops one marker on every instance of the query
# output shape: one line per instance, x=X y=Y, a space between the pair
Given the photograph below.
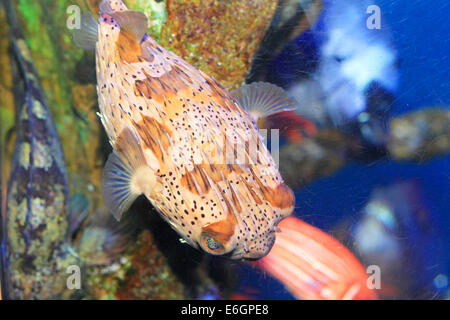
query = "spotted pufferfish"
x=174 y=129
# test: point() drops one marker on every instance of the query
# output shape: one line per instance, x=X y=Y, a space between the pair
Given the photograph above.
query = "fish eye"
x=211 y=245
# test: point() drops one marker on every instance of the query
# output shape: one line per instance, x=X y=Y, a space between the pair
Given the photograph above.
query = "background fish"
x=183 y=141
x=313 y=265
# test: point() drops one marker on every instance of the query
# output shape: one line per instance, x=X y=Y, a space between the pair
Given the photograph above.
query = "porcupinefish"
x=174 y=129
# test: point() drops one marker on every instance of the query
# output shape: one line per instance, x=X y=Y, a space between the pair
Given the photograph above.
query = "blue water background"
x=420 y=32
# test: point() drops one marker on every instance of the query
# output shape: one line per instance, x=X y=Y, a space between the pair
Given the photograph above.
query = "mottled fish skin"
x=35 y=247
x=185 y=123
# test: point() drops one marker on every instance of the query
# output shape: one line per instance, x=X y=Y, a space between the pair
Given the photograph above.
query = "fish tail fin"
x=314 y=265
x=126 y=174
x=87 y=35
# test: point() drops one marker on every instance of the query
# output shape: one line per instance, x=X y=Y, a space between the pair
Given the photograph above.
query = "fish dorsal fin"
x=126 y=174
x=86 y=37
x=133 y=22
x=262 y=99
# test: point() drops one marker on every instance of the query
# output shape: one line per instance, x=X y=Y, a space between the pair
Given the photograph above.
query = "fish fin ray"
x=262 y=99
x=124 y=164
x=86 y=37
x=116 y=191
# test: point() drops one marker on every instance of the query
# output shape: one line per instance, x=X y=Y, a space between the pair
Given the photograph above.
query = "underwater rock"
x=420 y=135
x=140 y=273
x=36 y=253
x=219 y=38
x=314 y=157
x=291 y=18
x=71 y=104
x=6 y=98
x=139 y=258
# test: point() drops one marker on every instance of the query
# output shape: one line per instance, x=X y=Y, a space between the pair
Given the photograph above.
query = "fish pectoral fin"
x=126 y=174
x=262 y=99
x=133 y=22
x=86 y=37
x=116 y=186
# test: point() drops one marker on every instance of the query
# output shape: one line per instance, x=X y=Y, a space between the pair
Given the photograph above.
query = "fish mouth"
x=251 y=259
x=246 y=256
x=240 y=253
x=230 y=255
